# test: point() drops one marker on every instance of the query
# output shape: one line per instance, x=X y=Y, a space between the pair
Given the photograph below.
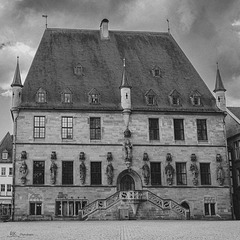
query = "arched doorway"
x=186 y=206
x=127 y=183
x=129 y=180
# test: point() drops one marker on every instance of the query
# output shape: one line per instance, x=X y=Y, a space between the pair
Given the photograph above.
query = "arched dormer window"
x=4 y=154
x=151 y=98
x=174 y=97
x=78 y=70
x=156 y=71
x=66 y=96
x=94 y=97
x=41 y=96
x=196 y=98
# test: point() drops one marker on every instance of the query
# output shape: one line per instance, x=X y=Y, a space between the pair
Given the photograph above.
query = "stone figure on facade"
x=169 y=171
x=23 y=155
x=127 y=133
x=53 y=171
x=146 y=173
x=83 y=171
x=23 y=170
x=109 y=172
x=194 y=170
x=128 y=150
x=220 y=175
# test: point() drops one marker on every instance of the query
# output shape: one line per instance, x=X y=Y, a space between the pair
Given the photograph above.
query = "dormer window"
x=78 y=69
x=41 y=96
x=5 y=155
x=67 y=96
x=174 y=97
x=196 y=98
x=156 y=71
x=94 y=97
x=151 y=97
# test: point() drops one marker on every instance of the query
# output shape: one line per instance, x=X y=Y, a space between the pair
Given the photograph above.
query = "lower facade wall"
x=195 y=197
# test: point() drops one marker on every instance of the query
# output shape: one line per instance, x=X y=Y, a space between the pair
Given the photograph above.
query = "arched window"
x=41 y=96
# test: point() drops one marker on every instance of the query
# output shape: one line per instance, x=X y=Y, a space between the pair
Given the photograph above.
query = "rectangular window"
x=35 y=208
x=181 y=173
x=236 y=150
x=39 y=127
x=9 y=187
x=41 y=97
x=95 y=128
x=178 y=129
x=2 y=187
x=155 y=173
x=4 y=156
x=67 y=172
x=238 y=176
x=202 y=129
x=67 y=98
x=10 y=171
x=96 y=173
x=205 y=173
x=67 y=127
x=153 y=129
x=209 y=206
x=3 y=171
x=38 y=172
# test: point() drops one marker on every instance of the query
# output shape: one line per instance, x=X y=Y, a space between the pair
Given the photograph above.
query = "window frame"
x=38 y=180
x=178 y=129
x=2 y=188
x=67 y=172
x=236 y=145
x=67 y=130
x=3 y=171
x=96 y=175
x=5 y=155
x=202 y=134
x=39 y=131
x=205 y=174
x=8 y=188
x=95 y=128
x=155 y=175
x=180 y=173
x=36 y=210
x=10 y=171
x=153 y=130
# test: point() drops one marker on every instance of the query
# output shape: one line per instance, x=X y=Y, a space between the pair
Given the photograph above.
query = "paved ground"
x=121 y=230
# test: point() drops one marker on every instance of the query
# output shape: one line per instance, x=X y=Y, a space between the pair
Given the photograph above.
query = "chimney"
x=104 y=29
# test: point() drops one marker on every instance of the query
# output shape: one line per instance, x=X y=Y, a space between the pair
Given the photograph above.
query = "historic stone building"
x=117 y=125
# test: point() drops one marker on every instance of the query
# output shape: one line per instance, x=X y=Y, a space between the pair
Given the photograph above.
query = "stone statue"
x=128 y=150
x=169 y=170
x=53 y=170
x=194 y=170
x=220 y=175
x=23 y=170
x=83 y=171
x=146 y=173
x=109 y=172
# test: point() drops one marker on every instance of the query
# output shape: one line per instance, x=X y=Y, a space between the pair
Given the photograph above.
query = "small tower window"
x=196 y=98
x=41 y=96
x=174 y=97
x=5 y=155
x=78 y=69
x=151 y=97
x=94 y=97
x=156 y=71
x=67 y=96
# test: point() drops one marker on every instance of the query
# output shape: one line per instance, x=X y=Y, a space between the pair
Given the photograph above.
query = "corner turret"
x=220 y=92
x=16 y=91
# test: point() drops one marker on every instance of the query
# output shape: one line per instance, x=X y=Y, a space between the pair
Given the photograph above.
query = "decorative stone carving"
x=82 y=156
x=220 y=171
x=169 y=157
x=109 y=156
x=193 y=157
x=145 y=157
x=195 y=172
x=53 y=172
x=23 y=155
x=169 y=170
x=127 y=133
x=218 y=158
x=146 y=173
x=83 y=171
x=109 y=172
x=53 y=156
x=128 y=153
x=23 y=170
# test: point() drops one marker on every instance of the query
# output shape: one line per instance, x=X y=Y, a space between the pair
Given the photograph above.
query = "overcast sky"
x=208 y=31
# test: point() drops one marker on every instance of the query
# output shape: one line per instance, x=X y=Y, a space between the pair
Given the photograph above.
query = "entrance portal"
x=127 y=183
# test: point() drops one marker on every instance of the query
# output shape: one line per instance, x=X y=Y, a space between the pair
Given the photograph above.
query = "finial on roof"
x=219 y=83
x=17 y=77
x=45 y=16
x=168 y=26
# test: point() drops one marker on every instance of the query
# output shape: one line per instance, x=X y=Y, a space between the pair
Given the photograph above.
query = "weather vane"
x=45 y=16
x=168 y=26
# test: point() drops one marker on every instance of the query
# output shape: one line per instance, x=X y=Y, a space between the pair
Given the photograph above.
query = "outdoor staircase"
x=134 y=198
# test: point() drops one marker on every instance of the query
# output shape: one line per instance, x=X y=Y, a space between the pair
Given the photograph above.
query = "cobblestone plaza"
x=120 y=230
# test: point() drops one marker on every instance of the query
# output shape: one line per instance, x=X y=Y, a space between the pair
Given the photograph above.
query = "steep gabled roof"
x=234 y=112
x=219 y=83
x=6 y=144
x=17 y=77
x=60 y=50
